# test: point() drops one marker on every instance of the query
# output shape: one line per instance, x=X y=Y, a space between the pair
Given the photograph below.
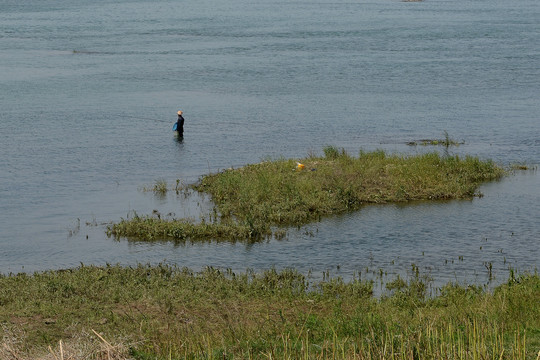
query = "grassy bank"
x=253 y=199
x=163 y=312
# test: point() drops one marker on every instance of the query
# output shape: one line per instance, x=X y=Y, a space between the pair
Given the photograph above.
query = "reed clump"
x=160 y=187
x=165 y=312
x=152 y=228
x=280 y=193
x=447 y=141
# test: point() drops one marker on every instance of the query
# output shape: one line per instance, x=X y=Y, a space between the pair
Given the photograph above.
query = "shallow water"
x=89 y=93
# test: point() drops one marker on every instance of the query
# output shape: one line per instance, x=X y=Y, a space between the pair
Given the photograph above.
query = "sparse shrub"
x=331 y=152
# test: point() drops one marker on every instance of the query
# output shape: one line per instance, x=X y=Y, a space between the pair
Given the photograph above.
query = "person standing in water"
x=180 y=124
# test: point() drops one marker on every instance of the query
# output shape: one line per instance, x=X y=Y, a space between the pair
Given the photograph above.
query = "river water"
x=90 y=89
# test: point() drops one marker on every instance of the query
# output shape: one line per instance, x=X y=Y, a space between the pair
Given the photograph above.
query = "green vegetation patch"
x=275 y=192
x=252 y=199
x=164 y=312
x=152 y=228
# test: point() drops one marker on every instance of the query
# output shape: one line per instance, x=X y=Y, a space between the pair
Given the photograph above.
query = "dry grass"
x=91 y=346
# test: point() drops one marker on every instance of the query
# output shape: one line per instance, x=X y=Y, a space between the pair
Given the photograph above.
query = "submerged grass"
x=447 y=141
x=164 y=312
x=252 y=199
x=160 y=187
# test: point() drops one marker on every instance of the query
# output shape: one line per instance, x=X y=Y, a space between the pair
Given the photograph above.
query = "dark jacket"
x=180 y=125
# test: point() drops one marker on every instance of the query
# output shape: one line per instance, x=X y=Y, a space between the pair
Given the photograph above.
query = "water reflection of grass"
x=163 y=312
x=280 y=193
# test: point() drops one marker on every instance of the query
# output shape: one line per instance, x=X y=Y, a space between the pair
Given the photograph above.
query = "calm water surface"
x=89 y=92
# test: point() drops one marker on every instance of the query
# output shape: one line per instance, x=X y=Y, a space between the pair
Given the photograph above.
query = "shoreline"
x=152 y=312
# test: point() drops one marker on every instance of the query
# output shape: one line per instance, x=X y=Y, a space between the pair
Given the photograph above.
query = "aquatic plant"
x=159 y=187
x=446 y=141
x=521 y=166
x=253 y=199
x=150 y=228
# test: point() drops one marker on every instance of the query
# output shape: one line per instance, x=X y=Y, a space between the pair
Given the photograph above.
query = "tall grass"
x=164 y=312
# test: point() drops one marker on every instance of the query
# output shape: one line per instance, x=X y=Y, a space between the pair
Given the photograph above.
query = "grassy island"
x=251 y=200
x=162 y=312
